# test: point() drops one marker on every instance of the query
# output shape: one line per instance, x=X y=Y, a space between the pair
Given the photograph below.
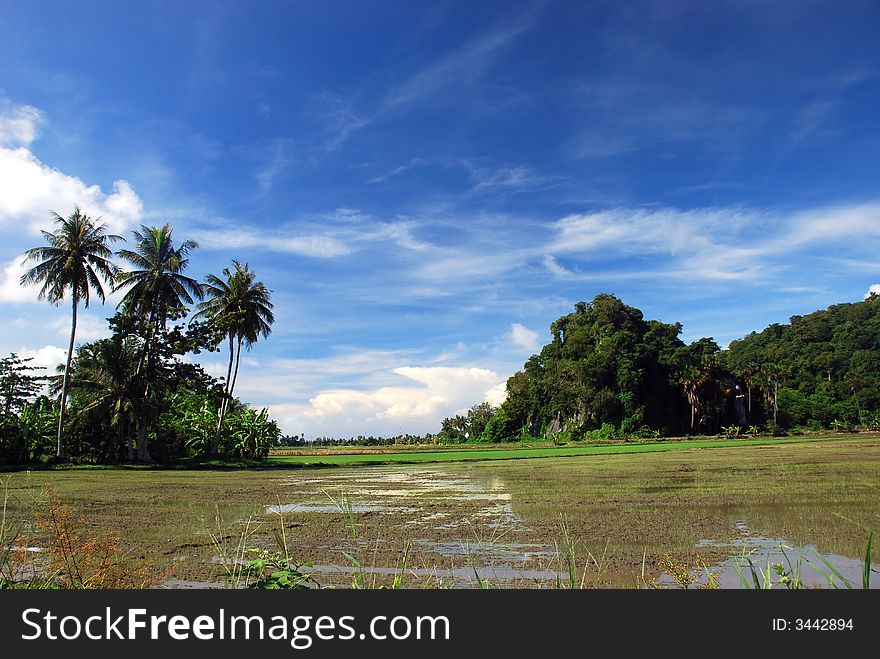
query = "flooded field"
x=595 y=521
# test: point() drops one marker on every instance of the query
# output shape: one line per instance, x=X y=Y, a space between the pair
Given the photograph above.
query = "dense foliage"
x=608 y=372
x=135 y=396
x=821 y=370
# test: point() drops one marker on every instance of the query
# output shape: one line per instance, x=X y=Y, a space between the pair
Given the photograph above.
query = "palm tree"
x=157 y=290
x=104 y=373
x=239 y=307
x=694 y=366
x=76 y=261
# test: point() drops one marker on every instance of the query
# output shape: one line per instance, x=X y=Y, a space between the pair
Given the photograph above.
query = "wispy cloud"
x=813 y=120
x=317 y=246
x=264 y=109
x=276 y=156
x=467 y=63
x=506 y=177
x=553 y=266
x=338 y=234
x=341 y=118
x=464 y=65
x=397 y=171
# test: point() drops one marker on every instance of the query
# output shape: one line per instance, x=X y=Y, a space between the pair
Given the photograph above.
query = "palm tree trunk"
x=223 y=403
x=235 y=373
x=143 y=451
x=227 y=400
x=60 y=453
x=775 y=400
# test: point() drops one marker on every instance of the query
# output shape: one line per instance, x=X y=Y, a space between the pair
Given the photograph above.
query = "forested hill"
x=827 y=365
x=608 y=372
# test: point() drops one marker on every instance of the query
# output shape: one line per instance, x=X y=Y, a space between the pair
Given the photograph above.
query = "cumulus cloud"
x=496 y=395
x=48 y=357
x=432 y=393
x=522 y=337
x=19 y=125
x=29 y=188
x=873 y=290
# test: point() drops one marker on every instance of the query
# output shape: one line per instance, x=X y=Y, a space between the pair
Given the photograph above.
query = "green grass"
x=343 y=459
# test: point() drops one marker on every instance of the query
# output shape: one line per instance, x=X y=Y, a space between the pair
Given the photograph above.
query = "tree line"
x=610 y=373
x=135 y=396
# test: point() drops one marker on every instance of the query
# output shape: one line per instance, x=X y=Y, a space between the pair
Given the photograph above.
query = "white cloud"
x=397 y=171
x=444 y=389
x=315 y=245
x=431 y=393
x=657 y=231
x=19 y=125
x=509 y=177
x=835 y=223
x=873 y=290
x=522 y=337
x=496 y=395
x=467 y=266
x=88 y=327
x=11 y=291
x=553 y=266
x=48 y=357
x=29 y=189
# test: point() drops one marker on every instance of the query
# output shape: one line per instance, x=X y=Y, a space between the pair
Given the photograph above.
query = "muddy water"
x=444 y=527
x=465 y=529
x=804 y=563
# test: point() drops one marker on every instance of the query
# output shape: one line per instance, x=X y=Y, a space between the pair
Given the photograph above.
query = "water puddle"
x=805 y=562
x=454 y=577
x=404 y=490
x=334 y=508
x=486 y=549
x=187 y=584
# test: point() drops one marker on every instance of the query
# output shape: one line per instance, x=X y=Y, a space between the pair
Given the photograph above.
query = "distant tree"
x=76 y=262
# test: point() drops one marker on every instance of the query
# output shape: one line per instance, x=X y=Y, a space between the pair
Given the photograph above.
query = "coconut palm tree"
x=157 y=287
x=104 y=374
x=694 y=368
x=76 y=261
x=157 y=290
x=239 y=307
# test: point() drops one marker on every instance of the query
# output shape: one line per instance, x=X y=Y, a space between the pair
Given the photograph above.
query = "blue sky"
x=426 y=186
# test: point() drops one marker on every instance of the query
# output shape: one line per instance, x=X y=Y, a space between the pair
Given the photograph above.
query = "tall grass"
x=258 y=567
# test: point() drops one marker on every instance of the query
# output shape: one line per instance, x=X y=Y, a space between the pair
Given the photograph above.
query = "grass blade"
x=866 y=575
x=834 y=571
x=755 y=578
